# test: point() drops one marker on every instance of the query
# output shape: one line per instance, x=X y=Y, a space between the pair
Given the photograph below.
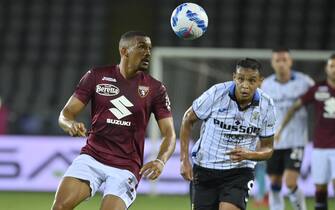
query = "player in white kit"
x=284 y=87
x=234 y=115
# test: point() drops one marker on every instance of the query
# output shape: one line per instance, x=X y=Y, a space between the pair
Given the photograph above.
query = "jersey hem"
x=263 y=137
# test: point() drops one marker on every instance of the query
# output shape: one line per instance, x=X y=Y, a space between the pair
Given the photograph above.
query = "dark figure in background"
x=322 y=97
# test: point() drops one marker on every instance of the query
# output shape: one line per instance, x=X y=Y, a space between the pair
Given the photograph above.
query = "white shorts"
x=116 y=181
x=323 y=165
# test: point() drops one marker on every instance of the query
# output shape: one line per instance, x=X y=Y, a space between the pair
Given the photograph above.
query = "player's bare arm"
x=68 y=115
x=289 y=115
x=185 y=134
x=153 y=169
x=264 y=151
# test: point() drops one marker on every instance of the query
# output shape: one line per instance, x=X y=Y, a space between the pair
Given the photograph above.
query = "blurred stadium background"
x=47 y=45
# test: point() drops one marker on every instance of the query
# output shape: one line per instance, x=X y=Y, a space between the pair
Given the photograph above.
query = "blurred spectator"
x=322 y=97
x=4 y=113
x=30 y=124
x=284 y=86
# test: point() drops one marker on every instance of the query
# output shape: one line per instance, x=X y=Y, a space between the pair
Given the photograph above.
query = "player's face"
x=247 y=81
x=281 y=62
x=330 y=69
x=139 y=53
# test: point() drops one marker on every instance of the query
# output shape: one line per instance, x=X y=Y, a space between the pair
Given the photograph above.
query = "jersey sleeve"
x=202 y=106
x=264 y=86
x=308 y=97
x=161 y=104
x=85 y=88
x=310 y=82
x=268 y=126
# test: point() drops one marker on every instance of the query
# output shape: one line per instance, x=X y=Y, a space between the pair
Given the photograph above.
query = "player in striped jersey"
x=322 y=97
x=235 y=115
x=284 y=87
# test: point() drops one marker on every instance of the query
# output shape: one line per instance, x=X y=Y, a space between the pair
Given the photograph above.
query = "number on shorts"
x=297 y=154
x=250 y=185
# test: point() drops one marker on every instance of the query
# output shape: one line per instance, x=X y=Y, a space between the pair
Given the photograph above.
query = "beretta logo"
x=107 y=89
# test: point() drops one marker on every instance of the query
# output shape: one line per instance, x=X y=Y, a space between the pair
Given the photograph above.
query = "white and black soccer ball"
x=189 y=21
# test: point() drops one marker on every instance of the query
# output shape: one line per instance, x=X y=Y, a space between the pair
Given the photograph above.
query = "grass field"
x=43 y=201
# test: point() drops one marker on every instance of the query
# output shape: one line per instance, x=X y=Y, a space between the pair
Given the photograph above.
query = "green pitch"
x=43 y=201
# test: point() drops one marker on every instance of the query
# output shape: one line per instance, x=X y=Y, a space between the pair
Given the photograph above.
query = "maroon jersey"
x=120 y=113
x=322 y=96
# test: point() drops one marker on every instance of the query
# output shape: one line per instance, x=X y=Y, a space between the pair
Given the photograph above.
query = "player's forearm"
x=185 y=133
x=65 y=120
x=262 y=154
x=289 y=115
x=264 y=151
x=189 y=119
x=167 y=147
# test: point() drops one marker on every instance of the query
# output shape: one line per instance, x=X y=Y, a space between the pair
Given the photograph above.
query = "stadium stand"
x=47 y=45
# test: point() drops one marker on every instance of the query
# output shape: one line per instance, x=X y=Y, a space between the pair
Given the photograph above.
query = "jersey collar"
x=293 y=76
x=254 y=102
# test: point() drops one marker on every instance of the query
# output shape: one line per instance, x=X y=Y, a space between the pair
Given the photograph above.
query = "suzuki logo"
x=121 y=103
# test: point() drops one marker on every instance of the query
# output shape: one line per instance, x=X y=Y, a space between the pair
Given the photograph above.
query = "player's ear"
x=326 y=67
x=261 y=78
x=123 y=51
x=290 y=61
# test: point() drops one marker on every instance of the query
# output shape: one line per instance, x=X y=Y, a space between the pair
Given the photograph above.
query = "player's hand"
x=152 y=170
x=186 y=170
x=77 y=129
x=238 y=154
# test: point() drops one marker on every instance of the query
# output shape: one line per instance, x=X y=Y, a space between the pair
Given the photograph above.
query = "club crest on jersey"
x=329 y=108
x=255 y=116
x=322 y=93
x=107 y=89
x=143 y=91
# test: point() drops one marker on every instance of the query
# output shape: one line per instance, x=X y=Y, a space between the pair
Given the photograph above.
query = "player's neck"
x=331 y=83
x=283 y=78
x=126 y=71
x=243 y=102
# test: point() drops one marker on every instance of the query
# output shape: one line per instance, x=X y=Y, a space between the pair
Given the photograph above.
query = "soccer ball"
x=189 y=21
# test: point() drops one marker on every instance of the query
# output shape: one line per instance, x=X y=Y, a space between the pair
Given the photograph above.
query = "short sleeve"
x=161 y=104
x=268 y=126
x=310 y=82
x=85 y=88
x=308 y=97
x=202 y=106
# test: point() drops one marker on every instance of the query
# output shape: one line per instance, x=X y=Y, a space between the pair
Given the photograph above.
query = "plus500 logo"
x=238 y=128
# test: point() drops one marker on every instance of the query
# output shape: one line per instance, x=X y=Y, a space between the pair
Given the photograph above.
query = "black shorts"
x=285 y=159
x=211 y=186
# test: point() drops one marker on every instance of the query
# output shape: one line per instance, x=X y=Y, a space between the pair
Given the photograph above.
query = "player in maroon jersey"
x=322 y=97
x=122 y=98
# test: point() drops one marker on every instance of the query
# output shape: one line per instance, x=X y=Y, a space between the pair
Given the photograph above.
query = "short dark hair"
x=332 y=56
x=249 y=63
x=130 y=35
x=280 y=49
